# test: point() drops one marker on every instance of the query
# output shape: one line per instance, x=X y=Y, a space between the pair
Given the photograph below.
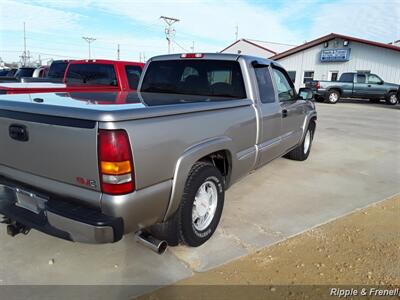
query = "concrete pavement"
x=355 y=161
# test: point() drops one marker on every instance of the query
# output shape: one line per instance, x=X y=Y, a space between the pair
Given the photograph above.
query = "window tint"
x=133 y=74
x=374 y=79
x=195 y=77
x=308 y=76
x=57 y=69
x=91 y=74
x=285 y=90
x=292 y=76
x=347 y=77
x=264 y=81
x=24 y=72
x=360 y=78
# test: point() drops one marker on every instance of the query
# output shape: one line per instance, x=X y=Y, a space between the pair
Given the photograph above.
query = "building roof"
x=329 y=37
x=265 y=45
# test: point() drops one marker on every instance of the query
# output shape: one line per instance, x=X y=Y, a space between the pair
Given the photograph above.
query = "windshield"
x=217 y=78
x=57 y=69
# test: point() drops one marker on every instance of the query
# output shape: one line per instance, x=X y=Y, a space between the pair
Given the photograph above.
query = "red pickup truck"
x=85 y=75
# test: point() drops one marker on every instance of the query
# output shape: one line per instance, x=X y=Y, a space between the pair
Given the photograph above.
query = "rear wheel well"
x=336 y=90
x=222 y=160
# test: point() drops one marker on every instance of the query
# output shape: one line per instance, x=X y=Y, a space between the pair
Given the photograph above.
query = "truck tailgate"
x=57 y=148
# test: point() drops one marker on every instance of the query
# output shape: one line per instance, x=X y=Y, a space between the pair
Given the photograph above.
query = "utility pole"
x=24 y=59
x=144 y=57
x=89 y=40
x=169 y=31
x=118 y=52
x=237 y=32
x=192 y=48
x=140 y=56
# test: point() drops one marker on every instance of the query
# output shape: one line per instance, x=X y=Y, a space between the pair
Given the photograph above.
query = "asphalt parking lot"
x=355 y=161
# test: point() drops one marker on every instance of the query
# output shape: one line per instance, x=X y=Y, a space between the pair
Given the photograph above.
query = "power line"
x=169 y=31
x=180 y=46
x=89 y=40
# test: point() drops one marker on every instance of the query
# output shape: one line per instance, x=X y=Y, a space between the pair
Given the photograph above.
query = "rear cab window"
x=347 y=77
x=91 y=74
x=210 y=78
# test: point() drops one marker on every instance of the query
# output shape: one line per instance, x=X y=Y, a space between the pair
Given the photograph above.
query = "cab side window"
x=374 y=79
x=265 y=86
x=360 y=78
x=284 y=88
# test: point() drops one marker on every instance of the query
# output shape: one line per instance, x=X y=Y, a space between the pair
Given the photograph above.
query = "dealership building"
x=326 y=58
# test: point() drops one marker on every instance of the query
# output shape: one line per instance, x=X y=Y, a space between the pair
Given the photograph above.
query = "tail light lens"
x=115 y=162
x=317 y=85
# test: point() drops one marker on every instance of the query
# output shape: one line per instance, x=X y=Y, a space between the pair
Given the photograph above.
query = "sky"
x=54 y=28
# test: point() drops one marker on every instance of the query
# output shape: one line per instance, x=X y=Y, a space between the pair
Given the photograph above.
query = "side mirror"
x=381 y=82
x=305 y=94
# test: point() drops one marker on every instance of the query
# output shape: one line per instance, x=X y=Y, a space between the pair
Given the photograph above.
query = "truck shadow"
x=366 y=102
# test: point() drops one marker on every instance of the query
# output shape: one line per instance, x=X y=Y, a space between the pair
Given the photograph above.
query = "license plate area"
x=30 y=201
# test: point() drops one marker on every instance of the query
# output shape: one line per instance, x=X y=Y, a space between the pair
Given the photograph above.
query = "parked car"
x=55 y=73
x=84 y=75
x=356 y=85
x=4 y=72
x=157 y=164
x=8 y=73
x=17 y=75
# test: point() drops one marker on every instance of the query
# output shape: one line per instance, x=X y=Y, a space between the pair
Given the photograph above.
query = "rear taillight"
x=317 y=85
x=115 y=162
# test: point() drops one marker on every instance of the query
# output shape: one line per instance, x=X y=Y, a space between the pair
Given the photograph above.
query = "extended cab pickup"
x=356 y=85
x=93 y=167
x=84 y=75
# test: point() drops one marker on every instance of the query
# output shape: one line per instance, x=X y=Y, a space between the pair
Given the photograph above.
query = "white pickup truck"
x=91 y=167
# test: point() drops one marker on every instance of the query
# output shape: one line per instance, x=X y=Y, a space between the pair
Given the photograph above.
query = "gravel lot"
x=355 y=161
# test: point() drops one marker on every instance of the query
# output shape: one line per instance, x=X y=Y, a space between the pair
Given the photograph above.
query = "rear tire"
x=302 y=151
x=200 y=210
x=332 y=97
x=392 y=98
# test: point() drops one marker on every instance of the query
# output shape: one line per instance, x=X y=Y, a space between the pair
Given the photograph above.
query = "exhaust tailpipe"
x=146 y=239
x=17 y=228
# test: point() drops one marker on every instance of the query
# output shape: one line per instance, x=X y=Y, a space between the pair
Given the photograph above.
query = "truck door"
x=375 y=88
x=292 y=114
x=360 y=86
x=270 y=111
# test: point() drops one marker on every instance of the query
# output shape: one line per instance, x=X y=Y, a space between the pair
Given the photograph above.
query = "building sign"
x=335 y=54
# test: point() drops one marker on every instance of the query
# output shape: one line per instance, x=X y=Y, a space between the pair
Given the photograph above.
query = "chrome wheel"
x=204 y=205
x=393 y=99
x=333 y=97
x=307 y=142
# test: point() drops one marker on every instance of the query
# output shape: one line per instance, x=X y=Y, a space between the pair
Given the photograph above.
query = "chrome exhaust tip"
x=156 y=245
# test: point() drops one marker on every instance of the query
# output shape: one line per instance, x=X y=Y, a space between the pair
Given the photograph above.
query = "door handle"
x=284 y=113
x=369 y=85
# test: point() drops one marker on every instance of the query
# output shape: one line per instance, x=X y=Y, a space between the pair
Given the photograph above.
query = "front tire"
x=301 y=152
x=392 y=98
x=332 y=97
x=200 y=210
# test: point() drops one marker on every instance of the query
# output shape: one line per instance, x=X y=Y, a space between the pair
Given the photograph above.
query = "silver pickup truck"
x=91 y=167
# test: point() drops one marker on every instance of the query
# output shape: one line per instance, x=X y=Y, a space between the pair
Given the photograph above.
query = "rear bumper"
x=61 y=218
